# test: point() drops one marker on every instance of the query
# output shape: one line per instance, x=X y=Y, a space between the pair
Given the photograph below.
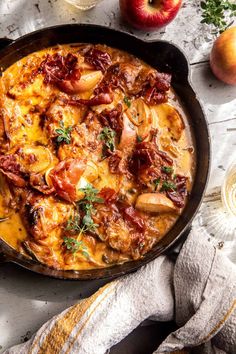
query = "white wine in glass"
x=84 y=4
x=217 y=215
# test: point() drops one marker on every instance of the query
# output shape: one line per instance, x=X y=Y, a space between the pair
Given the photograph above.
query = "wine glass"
x=84 y=4
x=217 y=215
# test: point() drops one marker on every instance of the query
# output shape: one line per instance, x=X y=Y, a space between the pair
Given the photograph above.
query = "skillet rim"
x=10 y=255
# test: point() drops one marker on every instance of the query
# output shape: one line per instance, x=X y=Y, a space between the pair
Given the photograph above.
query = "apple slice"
x=155 y=203
x=169 y=118
x=35 y=158
x=128 y=136
x=88 y=81
x=91 y=171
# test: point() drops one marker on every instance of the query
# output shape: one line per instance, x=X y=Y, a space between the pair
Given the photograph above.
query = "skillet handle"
x=4 y=42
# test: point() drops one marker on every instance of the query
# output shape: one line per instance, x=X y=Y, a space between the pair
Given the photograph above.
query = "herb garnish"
x=86 y=205
x=73 y=224
x=156 y=182
x=73 y=245
x=167 y=169
x=107 y=135
x=84 y=224
x=139 y=139
x=127 y=101
x=90 y=194
x=215 y=12
x=168 y=186
x=63 y=133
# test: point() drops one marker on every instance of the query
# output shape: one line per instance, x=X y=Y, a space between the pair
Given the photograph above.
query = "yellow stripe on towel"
x=88 y=318
x=220 y=324
x=60 y=332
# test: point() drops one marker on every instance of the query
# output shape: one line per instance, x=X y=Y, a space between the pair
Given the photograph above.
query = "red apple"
x=223 y=57
x=149 y=14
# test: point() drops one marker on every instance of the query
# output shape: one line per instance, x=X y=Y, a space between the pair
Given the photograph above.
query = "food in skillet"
x=96 y=156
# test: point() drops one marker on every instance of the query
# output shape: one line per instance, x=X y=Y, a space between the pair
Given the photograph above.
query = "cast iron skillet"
x=165 y=57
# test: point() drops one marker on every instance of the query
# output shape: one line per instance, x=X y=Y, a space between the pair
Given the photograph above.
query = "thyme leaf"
x=91 y=194
x=217 y=12
x=107 y=135
x=63 y=134
x=156 y=182
x=127 y=101
x=73 y=245
x=168 y=170
x=168 y=186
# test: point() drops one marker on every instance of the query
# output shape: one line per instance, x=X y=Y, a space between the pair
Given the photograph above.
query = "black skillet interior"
x=165 y=57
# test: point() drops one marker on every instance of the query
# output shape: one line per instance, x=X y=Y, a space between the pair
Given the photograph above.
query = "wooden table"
x=27 y=300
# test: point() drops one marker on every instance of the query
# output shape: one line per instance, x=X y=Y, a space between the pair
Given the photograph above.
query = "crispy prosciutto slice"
x=12 y=170
x=105 y=97
x=98 y=59
x=65 y=176
x=62 y=71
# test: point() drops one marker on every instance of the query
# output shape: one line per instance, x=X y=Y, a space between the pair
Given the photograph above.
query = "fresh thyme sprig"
x=168 y=186
x=167 y=169
x=78 y=224
x=63 y=133
x=73 y=245
x=73 y=224
x=86 y=205
x=156 y=182
x=127 y=101
x=216 y=12
x=90 y=194
x=107 y=135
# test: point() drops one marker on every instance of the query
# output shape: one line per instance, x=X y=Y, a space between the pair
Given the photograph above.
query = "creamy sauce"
x=30 y=116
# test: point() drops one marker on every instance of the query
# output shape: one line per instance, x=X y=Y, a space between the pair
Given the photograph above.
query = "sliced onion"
x=140 y=115
x=88 y=81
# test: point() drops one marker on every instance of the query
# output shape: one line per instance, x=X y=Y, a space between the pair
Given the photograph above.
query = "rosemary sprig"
x=63 y=133
x=216 y=12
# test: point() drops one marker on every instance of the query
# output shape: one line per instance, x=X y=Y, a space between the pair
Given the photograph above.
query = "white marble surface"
x=27 y=300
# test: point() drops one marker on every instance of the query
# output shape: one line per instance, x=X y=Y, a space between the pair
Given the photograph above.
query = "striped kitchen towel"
x=198 y=291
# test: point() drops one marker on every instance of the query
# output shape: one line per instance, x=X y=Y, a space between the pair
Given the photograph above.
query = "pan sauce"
x=97 y=157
